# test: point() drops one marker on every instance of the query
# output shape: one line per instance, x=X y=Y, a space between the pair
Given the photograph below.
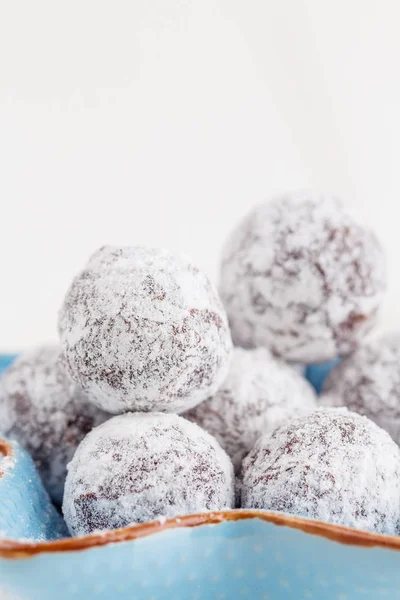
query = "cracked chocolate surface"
x=333 y=465
x=143 y=330
x=137 y=467
x=301 y=277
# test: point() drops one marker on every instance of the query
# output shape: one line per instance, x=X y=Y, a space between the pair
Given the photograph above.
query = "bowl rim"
x=6 y=450
x=14 y=549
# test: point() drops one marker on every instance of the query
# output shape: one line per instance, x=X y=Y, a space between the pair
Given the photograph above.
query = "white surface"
x=162 y=122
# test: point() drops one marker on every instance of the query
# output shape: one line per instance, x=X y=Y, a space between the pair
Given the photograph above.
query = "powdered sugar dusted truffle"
x=368 y=382
x=46 y=412
x=137 y=467
x=300 y=276
x=332 y=465
x=260 y=393
x=144 y=330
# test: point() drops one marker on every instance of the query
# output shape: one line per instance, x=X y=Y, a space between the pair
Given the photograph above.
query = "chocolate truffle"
x=46 y=412
x=144 y=330
x=368 y=382
x=302 y=277
x=260 y=393
x=137 y=467
x=332 y=465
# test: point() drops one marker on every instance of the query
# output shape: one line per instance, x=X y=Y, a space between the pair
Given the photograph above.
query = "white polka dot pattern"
x=249 y=559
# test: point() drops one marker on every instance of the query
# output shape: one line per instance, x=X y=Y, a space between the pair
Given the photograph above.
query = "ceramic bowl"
x=215 y=556
x=227 y=555
x=317 y=373
x=26 y=510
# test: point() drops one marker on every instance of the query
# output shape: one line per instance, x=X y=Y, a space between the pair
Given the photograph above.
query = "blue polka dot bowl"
x=215 y=556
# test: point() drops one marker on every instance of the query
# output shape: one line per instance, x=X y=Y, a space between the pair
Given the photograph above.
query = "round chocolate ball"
x=259 y=394
x=368 y=382
x=332 y=465
x=46 y=412
x=144 y=330
x=137 y=467
x=302 y=277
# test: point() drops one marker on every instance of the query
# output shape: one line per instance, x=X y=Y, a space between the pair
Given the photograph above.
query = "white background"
x=162 y=121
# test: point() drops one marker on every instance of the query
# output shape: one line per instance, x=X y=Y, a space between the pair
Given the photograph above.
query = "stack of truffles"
x=148 y=409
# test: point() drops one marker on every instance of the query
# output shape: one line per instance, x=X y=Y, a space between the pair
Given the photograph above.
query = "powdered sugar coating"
x=144 y=330
x=259 y=394
x=138 y=467
x=333 y=465
x=368 y=382
x=46 y=412
x=301 y=277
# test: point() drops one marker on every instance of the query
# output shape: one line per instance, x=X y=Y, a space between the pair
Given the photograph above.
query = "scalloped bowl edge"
x=337 y=533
